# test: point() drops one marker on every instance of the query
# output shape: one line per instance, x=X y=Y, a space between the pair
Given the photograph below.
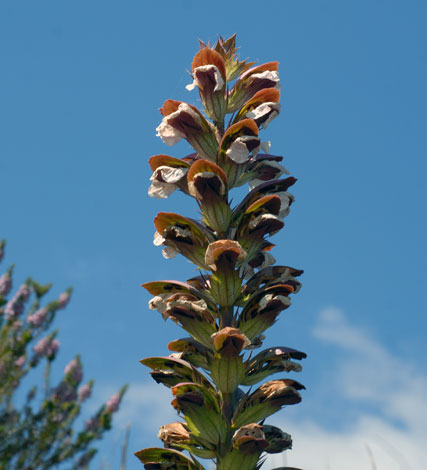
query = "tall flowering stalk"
x=238 y=294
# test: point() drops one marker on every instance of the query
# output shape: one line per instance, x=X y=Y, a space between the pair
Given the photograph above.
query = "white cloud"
x=393 y=436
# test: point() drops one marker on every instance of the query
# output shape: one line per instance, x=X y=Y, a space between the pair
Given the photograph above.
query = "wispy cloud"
x=367 y=375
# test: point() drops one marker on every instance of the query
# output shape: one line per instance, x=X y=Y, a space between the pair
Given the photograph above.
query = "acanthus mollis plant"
x=39 y=431
x=214 y=373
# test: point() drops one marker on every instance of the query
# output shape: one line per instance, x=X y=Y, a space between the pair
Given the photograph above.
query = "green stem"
x=226 y=318
x=46 y=379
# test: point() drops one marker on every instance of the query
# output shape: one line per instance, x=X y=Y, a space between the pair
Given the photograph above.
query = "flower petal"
x=161 y=190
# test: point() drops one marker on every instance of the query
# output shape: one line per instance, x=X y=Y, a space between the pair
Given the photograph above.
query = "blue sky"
x=80 y=88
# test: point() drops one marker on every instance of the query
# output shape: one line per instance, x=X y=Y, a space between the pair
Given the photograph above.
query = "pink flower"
x=46 y=347
x=37 y=318
x=113 y=403
x=41 y=347
x=15 y=306
x=53 y=347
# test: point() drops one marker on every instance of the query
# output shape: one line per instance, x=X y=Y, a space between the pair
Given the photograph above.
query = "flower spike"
x=238 y=292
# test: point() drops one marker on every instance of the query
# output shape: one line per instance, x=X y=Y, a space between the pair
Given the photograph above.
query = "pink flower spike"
x=5 y=284
x=41 y=347
x=73 y=370
x=53 y=347
x=63 y=299
x=46 y=347
x=113 y=403
x=85 y=392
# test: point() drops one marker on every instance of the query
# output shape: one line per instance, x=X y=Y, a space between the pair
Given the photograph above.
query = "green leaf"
x=39 y=289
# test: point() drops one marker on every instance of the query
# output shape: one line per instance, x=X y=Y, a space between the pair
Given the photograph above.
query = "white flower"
x=264 y=113
x=246 y=271
x=266 y=146
x=169 y=134
x=158 y=302
x=269 y=259
x=263 y=303
x=169 y=174
x=239 y=152
x=158 y=239
x=219 y=82
x=196 y=305
x=271 y=75
x=164 y=181
x=161 y=190
x=271 y=163
x=169 y=252
x=285 y=201
x=261 y=218
x=204 y=174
